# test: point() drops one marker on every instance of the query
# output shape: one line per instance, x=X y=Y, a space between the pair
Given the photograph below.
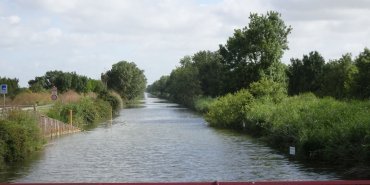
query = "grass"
x=70 y=97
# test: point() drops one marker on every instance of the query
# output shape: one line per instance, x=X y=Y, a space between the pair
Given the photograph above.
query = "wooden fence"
x=49 y=127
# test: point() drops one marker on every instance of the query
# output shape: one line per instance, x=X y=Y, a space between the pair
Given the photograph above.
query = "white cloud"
x=88 y=36
x=13 y=19
x=48 y=37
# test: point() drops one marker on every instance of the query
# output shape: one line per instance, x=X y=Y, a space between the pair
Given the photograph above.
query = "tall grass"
x=31 y=98
x=19 y=136
x=70 y=96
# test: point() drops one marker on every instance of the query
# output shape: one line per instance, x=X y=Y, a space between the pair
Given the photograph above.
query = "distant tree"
x=254 y=49
x=64 y=81
x=306 y=75
x=210 y=72
x=79 y=83
x=39 y=84
x=160 y=87
x=362 y=79
x=183 y=83
x=339 y=75
x=95 y=86
x=126 y=79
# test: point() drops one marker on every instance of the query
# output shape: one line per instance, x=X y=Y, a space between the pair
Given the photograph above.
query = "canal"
x=159 y=141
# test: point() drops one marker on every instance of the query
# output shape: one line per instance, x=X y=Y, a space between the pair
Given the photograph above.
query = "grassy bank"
x=19 y=136
x=321 y=129
x=86 y=111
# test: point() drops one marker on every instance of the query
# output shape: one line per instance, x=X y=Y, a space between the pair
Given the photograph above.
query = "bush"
x=202 y=104
x=85 y=112
x=321 y=129
x=19 y=136
x=268 y=89
x=227 y=111
x=113 y=98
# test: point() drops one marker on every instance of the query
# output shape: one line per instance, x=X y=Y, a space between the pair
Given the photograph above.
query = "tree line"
x=125 y=78
x=319 y=107
x=254 y=53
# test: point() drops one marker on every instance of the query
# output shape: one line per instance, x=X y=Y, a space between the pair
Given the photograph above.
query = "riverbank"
x=20 y=132
x=322 y=130
x=19 y=136
x=162 y=141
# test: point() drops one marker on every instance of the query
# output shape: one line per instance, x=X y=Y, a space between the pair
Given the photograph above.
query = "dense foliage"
x=250 y=52
x=244 y=86
x=249 y=55
x=89 y=100
x=65 y=81
x=321 y=129
x=126 y=79
x=19 y=136
x=112 y=98
x=86 y=111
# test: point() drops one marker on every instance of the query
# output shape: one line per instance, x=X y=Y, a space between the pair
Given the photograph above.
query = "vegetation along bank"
x=320 y=107
x=91 y=101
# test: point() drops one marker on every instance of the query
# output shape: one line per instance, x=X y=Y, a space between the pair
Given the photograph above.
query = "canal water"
x=159 y=141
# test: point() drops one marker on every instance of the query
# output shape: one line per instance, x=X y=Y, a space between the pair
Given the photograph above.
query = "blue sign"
x=4 y=89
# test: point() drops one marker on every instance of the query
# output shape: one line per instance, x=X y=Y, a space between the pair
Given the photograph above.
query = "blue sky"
x=88 y=36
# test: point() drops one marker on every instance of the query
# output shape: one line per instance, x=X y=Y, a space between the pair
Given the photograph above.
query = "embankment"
x=321 y=129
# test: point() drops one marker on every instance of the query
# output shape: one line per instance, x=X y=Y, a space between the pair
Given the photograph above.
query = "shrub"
x=227 y=111
x=268 y=89
x=322 y=129
x=86 y=111
x=202 y=104
x=19 y=136
x=113 y=98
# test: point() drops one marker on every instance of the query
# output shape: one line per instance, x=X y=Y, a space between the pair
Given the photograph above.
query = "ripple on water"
x=159 y=142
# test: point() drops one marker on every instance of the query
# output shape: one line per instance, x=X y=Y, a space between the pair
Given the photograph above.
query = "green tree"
x=79 y=83
x=38 y=84
x=362 y=88
x=183 y=84
x=306 y=75
x=126 y=79
x=64 y=81
x=339 y=76
x=254 y=49
x=210 y=72
x=95 y=86
x=159 y=87
x=272 y=84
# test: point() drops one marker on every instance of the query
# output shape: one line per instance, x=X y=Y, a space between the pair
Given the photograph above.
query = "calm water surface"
x=157 y=142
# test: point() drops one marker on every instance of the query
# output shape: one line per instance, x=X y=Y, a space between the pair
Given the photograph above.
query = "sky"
x=89 y=36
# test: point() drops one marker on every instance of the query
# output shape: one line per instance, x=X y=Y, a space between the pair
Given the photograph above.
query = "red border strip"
x=354 y=182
